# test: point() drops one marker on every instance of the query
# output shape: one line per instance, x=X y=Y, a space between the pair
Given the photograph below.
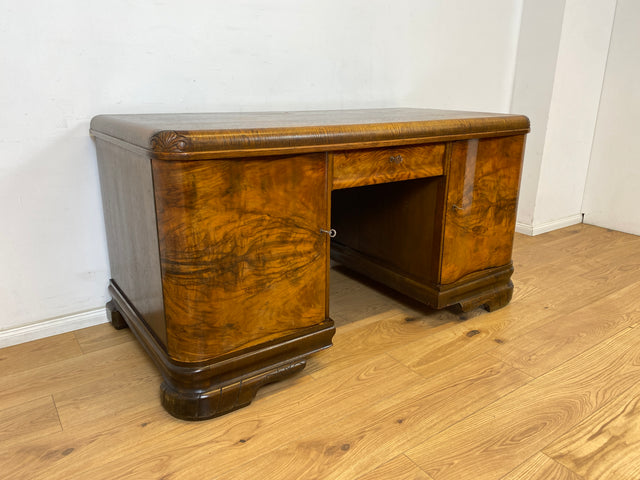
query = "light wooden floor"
x=546 y=388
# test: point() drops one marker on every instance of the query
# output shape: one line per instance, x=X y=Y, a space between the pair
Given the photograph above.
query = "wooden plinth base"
x=208 y=389
x=493 y=298
x=491 y=288
x=195 y=405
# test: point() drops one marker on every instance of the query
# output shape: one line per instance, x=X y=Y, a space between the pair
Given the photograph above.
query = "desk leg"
x=492 y=299
x=114 y=316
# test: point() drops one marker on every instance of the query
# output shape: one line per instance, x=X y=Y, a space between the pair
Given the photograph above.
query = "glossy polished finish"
x=482 y=197
x=219 y=230
x=354 y=168
x=242 y=256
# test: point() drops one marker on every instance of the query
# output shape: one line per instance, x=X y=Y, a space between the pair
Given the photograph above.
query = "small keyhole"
x=332 y=233
x=396 y=159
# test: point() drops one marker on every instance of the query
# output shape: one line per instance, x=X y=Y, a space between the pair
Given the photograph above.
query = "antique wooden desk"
x=220 y=227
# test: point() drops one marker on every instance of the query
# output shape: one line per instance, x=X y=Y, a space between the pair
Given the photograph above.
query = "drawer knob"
x=396 y=159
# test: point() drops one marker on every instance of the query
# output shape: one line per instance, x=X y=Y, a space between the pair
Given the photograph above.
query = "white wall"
x=63 y=62
x=532 y=88
x=574 y=107
x=558 y=154
x=612 y=195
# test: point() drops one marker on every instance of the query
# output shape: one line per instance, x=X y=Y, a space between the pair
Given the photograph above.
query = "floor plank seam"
x=586 y=351
x=585 y=419
x=506 y=362
x=416 y=465
x=578 y=476
x=75 y=337
x=367 y=432
x=53 y=400
x=515 y=468
x=474 y=412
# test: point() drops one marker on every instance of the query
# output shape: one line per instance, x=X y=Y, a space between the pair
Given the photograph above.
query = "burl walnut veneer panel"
x=482 y=198
x=355 y=168
x=220 y=228
x=242 y=253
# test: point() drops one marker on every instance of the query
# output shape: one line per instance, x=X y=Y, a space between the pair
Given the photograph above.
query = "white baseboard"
x=533 y=230
x=55 y=326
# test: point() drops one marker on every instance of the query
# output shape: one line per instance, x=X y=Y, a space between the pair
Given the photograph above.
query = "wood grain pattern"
x=29 y=420
x=126 y=185
x=399 y=468
x=99 y=337
x=387 y=330
x=583 y=410
x=242 y=254
x=234 y=211
x=605 y=445
x=199 y=391
x=198 y=136
x=491 y=443
x=482 y=197
x=355 y=168
x=93 y=401
x=541 y=467
x=554 y=342
x=447 y=346
x=58 y=376
x=376 y=434
x=424 y=339
x=445 y=240
x=394 y=224
x=38 y=352
x=579 y=280
x=177 y=446
x=573 y=310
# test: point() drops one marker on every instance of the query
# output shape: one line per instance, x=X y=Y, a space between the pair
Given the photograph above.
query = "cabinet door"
x=243 y=259
x=482 y=198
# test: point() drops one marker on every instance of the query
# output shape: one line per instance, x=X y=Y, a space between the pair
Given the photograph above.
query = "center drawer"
x=354 y=168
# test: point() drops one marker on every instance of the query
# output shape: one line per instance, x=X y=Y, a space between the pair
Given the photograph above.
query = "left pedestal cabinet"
x=220 y=269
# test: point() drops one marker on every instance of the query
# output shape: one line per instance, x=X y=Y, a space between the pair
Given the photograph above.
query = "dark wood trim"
x=194 y=391
x=231 y=135
x=487 y=288
x=290 y=150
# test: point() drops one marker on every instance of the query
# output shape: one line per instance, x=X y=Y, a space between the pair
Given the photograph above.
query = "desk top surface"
x=193 y=136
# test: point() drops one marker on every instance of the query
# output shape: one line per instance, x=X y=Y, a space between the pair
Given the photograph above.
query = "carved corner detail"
x=169 y=141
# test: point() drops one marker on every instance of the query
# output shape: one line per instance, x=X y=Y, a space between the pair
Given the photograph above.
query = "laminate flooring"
x=546 y=388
